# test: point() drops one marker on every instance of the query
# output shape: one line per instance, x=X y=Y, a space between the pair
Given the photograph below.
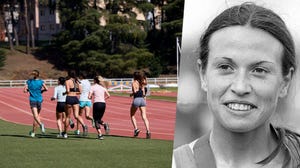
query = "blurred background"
x=193 y=118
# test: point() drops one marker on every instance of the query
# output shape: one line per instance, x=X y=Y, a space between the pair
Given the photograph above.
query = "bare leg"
x=68 y=114
x=132 y=113
x=59 y=121
x=76 y=114
x=36 y=115
x=79 y=119
x=87 y=113
x=81 y=110
x=34 y=126
x=144 y=117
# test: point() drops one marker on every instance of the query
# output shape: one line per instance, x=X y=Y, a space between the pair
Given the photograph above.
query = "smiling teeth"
x=240 y=107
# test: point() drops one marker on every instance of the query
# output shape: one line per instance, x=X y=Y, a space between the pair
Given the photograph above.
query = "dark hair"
x=99 y=80
x=249 y=14
x=83 y=75
x=139 y=76
x=72 y=74
x=61 y=80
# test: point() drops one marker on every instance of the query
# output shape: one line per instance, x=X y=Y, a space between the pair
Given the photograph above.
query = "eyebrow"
x=255 y=64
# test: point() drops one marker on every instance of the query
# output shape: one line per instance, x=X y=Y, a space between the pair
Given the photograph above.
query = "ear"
x=286 y=83
x=202 y=75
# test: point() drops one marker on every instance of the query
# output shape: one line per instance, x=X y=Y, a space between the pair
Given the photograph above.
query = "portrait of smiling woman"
x=246 y=65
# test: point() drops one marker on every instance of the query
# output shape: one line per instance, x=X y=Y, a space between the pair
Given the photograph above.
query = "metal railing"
x=112 y=82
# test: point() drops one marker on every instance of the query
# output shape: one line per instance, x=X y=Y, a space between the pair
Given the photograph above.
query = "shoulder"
x=183 y=156
x=85 y=81
x=290 y=140
x=195 y=153
x=93 y=86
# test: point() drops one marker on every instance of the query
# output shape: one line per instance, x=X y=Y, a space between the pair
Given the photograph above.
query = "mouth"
x=240 y=106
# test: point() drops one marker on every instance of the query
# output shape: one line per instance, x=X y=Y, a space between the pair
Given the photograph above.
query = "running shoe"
x=100 y=137
x=77 y=132
x=85 y=130
x=148 y=135
x=65 y=135
x=42 y=126
x=93 y=123
x=136 y=132
x=72 y=125
x=106 y=128
x=60 y=135
x=32 y=134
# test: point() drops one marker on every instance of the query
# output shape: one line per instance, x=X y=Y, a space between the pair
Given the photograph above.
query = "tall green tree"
x=2 y=58
x=163 y=42
x=114 y=50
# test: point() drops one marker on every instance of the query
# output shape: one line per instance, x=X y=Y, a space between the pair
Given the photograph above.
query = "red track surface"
x=161 y=114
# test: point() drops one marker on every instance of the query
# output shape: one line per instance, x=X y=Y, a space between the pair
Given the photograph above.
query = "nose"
x=240 y=84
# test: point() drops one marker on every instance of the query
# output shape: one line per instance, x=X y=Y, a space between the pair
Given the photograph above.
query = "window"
x=52 y=27
x=42 y=12
x=52 y=11
x=43 y=28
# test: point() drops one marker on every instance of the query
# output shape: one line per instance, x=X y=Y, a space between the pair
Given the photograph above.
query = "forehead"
x=245 y=42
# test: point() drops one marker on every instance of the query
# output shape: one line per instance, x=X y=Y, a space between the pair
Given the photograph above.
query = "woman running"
x=35 y=87
x=73 y=89
x=61 y=104
x=85 y=103
x=100 y=94
x=138 y=93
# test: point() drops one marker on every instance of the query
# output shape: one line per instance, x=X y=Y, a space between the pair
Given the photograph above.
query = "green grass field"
x=43 y=151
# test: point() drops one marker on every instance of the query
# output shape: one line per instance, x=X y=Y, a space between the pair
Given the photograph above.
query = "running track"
x=161 y=114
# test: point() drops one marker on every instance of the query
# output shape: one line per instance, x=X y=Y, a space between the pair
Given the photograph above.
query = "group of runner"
x=66 y=94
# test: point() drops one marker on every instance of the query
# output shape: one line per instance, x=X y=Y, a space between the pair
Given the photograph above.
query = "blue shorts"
x=83 y=104
x=139 y=102
x=71 y=100
x=35 y=104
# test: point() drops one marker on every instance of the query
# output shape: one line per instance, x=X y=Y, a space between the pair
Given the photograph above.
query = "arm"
x=107 y=94
x=67 y=87
x=44 y=88
x=90 y=94
x=134 y=88
x=79 y=88
x=54 y=95
x=25 y=90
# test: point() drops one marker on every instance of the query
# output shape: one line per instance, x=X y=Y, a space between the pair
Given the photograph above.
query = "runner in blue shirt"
x=35 y=87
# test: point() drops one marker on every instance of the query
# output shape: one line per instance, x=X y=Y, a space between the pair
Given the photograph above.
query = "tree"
x=5 y=7
x=2 y=58
x=27 y=27
x=163 y=42
x=114 y=50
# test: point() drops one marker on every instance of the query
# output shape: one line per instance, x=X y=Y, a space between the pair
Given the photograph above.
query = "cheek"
x=267 y=93
x=216 y=88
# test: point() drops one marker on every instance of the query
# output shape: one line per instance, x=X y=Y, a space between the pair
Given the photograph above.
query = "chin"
x=240 y=126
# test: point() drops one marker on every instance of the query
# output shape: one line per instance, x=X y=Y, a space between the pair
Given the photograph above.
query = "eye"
x=225 y=67
x=260 y=70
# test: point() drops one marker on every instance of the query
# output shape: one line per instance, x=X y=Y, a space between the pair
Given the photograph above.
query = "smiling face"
x=243 y=78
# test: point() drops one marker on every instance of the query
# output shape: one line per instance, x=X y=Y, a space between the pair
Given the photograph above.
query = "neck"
x=234 y=149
